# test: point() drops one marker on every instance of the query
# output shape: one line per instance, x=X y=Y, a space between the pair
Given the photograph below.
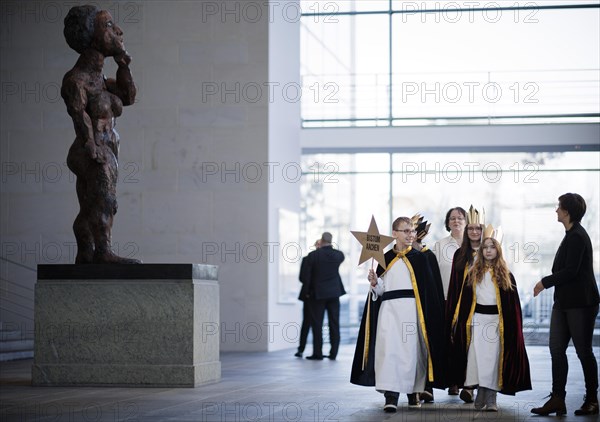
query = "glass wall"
x=395 y=63
x=518 y=191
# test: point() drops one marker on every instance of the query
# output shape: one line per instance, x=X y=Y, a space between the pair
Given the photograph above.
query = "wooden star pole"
x=373 y=245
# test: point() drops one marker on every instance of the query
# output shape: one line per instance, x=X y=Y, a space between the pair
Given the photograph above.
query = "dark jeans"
x=306 y=318
x=576 y=324
x=318 y=308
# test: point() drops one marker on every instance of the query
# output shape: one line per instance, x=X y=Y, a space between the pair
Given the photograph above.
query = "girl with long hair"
x=488 y=329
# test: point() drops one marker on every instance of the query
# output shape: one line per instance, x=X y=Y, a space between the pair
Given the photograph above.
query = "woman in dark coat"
x=575 y=308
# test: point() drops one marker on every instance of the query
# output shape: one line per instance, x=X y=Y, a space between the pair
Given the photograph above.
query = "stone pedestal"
x=153 y=325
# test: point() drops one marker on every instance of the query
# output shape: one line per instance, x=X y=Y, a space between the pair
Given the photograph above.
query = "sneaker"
x=391 y=404
x=413 y=400
x=480 y=399
x=466 y=395
x=490 y=401
x=491 y=407
x=426 y=396
x=390 y=408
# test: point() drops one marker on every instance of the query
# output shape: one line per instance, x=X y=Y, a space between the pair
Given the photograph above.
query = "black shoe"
x=589 y=407
x=556 y=405
x=330 y=357
x=453 y=391
x=313 y=357
x=298 y=354
x=466 y=395
x=391 y=404
x=390 y=408
x=413 y=400
x=427 y=395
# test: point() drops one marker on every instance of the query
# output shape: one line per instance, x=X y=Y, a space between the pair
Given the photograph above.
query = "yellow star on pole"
x=372 y=243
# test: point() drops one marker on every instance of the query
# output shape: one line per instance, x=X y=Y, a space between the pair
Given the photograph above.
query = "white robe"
x=400 y=351
x=483 y=356
x=444 y=252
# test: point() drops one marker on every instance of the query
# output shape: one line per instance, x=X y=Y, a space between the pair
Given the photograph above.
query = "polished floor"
x=272 y=387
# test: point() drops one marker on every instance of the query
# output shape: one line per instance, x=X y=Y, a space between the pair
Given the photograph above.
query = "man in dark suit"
x=306 y=313
x=324 y=288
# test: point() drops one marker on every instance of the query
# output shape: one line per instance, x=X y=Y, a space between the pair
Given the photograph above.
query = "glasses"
x=406 y=231
x=474 y=229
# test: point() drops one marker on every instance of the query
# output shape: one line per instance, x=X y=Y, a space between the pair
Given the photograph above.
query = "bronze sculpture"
x=94 y=102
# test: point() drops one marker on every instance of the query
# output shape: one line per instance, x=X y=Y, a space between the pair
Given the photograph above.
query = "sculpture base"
x=152 y=325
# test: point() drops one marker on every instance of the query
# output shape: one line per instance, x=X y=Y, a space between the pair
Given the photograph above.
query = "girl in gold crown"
x=461 y=263
x=488 y=330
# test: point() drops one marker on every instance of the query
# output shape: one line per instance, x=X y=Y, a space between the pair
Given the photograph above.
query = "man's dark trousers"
x=318 y=308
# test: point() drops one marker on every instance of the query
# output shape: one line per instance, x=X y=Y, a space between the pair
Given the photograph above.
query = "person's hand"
x=537 y=289
x=93 y=152
x=123 y=59
x=372 y=278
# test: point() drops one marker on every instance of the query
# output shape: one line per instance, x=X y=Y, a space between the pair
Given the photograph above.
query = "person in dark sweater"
x=575 y=308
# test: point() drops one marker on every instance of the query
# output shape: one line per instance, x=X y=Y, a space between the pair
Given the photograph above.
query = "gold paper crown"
x=491 y=232
x=474 y=217
x=416 y=219
x=422 y=227
x=422 y=230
